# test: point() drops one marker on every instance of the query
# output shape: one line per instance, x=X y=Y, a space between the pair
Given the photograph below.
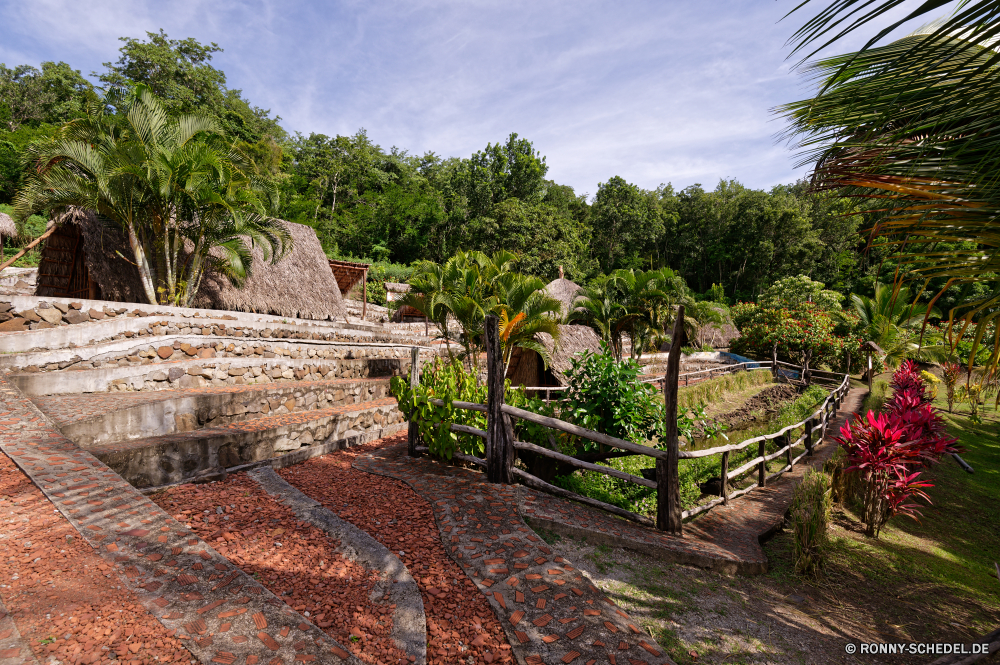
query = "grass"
x=29 y=260
x=932 y=580
x=721 y=389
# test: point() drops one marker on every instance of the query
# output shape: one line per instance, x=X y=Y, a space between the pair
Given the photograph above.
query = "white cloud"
x=652 y=91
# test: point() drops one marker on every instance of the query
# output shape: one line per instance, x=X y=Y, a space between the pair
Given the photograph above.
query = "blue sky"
x=656 y=92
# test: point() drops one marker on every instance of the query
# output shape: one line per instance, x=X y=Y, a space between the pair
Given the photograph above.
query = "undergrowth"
x=712 y=389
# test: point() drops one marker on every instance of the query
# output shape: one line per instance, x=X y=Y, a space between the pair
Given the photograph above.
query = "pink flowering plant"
x=889 y=448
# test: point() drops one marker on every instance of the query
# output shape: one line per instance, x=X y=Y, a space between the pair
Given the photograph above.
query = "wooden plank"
x=668 y=484
x=745 y=490
x=459 y=456
x=469 y=406
x=762 y=466
x=700 y=509
x=725 y=477
x=539 y=484
x=743 y=469
x=591 y=435
x=28 y=247
x=608 y=471
x=466 y=429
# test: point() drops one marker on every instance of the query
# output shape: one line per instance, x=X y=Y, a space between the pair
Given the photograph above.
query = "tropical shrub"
x=952 y=372
x=794 y=330
x=810 y=513
x=886 y=449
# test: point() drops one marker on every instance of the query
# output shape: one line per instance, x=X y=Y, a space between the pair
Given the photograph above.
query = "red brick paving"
x=460 y=622
x=177 y=572
x=307 y=570
x=62 y=593
x=479 y=525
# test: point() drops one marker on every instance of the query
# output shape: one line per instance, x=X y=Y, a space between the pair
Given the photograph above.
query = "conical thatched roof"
x=564 y=291
x=301 y=285
x=7 y=227
x=572 y=340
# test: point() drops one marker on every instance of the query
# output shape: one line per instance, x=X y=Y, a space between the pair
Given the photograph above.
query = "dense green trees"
x=388 y=205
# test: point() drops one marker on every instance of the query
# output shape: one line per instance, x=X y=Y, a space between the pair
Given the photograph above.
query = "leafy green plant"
x=952 y=372
x=810 y=513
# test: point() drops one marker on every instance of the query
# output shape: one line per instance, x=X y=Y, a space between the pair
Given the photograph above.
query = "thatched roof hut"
x=89 y=259
x=527 y=369
x=565 y=291
x=7 y=228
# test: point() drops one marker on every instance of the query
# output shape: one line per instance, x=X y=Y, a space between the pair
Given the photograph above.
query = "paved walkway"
x=13 y=649
x=551 y=612
x=223 y=615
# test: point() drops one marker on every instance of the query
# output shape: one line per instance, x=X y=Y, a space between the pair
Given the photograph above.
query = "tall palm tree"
x=599 y=307
x=174 y=186
x=915 y=126
x=525 y=311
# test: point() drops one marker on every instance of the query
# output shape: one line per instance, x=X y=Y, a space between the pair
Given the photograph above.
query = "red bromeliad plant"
x=886 y=449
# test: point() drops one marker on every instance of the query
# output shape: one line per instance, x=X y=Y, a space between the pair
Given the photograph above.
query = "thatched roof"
x=301 y=285
x=572 y=340
x=564 y=291
x=7 y=227
x=396 y=287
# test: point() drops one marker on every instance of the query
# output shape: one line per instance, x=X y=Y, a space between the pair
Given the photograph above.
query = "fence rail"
x=501 y=446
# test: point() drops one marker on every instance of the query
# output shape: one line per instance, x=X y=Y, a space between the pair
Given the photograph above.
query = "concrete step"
x=215 y=361
x=102 y=418
x=186 y=456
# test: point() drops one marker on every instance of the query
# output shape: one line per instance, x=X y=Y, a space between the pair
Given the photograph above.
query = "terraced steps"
x=103 y=418
x=184 y=456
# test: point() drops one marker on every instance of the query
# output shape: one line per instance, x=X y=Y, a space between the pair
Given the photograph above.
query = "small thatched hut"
x=565 y=291
x=527 y=369
x=7 y=229
x=85 y=258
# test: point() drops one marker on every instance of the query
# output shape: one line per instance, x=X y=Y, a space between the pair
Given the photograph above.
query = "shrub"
x=886 y=449
x=810 y=515
x=932 y=384
x=952 y=372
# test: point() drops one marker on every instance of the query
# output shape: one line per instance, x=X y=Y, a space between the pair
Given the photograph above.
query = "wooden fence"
x=501 y=444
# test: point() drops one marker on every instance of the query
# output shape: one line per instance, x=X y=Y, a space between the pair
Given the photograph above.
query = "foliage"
x=894 y=323
x=932 y=382
x=910 y=126
x=606 y=395
x=798 y=291
x=951 y=372
x=806 y=327
x=810 y=516
x=712 y=390
x=886 y=449
x=164 y=182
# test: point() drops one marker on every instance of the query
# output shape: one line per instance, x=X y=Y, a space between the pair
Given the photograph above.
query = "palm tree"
x=525 y=310
x=185 y=199
x=893 y=322
x=914 y=125
x=599 y=307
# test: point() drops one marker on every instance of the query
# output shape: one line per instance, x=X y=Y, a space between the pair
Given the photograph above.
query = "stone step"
x=119 y=366
x=102 y=418
x=186 y=456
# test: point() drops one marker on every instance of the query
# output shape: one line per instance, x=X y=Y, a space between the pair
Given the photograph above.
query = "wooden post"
x=668 y=485
x=848 y=370
x=499 y=444
x=788 y=453
x=806 y=374
x=724 y=492
x=869 y=370
x=809 y=436
x=413 y=433
x=762 y=465
x=774 y=361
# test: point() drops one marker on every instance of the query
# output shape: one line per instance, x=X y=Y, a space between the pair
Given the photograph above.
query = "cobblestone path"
x=222 y=615
x=551 y=612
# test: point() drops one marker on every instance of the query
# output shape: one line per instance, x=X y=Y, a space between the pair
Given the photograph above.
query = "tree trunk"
x=145 y=272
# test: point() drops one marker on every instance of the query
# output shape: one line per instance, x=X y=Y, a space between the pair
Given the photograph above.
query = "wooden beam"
x=413 y=432
x=499 y=460
x=668 y=486
x=49 y=231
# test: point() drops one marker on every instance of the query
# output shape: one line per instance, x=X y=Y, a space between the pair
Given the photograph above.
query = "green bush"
x=810 y=515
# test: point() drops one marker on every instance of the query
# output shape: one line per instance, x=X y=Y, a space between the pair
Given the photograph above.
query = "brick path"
x=551 y=612
x=13 y=649
x=222 y=615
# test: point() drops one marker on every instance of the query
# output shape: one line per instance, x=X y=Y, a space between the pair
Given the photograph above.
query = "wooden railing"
x=501 y=445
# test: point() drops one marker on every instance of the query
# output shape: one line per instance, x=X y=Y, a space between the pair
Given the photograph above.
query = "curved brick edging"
x=551 y=612
x=14 y=650
x=220 y=612
x=726 y=539
x=409 y=625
